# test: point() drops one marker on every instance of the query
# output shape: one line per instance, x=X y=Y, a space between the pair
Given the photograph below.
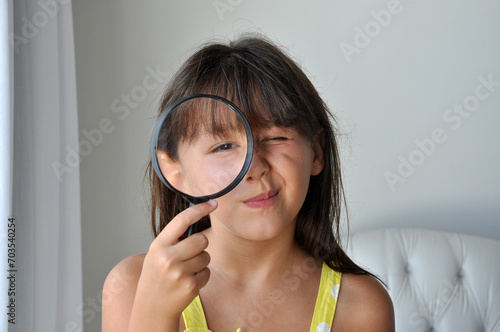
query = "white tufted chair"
x=438 y=281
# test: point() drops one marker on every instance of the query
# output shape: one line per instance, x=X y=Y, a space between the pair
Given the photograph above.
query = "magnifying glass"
x=201 y=148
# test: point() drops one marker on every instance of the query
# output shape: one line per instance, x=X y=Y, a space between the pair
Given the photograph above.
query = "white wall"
x=397 y=85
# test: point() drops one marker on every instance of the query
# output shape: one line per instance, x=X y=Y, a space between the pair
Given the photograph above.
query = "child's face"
x=270 y=196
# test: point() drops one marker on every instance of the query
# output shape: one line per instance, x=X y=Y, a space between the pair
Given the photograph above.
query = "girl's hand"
x=173 y=272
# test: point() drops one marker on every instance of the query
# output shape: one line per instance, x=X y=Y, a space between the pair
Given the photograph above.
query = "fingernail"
x=212 y=202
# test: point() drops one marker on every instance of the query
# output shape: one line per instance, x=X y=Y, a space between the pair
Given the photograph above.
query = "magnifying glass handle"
x=192 y=229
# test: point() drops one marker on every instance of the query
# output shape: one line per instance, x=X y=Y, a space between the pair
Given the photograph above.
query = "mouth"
x=263 y=200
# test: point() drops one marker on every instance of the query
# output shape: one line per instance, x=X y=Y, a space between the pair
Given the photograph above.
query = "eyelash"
x=276 y=139
x=223 y=147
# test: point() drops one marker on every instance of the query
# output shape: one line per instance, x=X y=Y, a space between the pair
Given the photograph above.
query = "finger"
x=176 y=228
x=190 y=247
x=202 y=277
x=197 y=263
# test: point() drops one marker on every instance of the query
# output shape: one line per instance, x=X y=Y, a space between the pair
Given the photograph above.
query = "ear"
x=171 y=170
x=318 y=145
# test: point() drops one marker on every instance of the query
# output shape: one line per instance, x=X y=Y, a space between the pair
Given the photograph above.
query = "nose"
x=259 y=165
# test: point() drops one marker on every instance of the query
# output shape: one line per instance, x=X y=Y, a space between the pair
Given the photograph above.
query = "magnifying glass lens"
x=201 y=147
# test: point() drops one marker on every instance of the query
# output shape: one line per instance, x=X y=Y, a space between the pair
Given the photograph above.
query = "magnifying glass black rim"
x=154 y=143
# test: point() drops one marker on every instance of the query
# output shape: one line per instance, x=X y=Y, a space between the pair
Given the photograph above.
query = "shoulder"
x=119 y=292
x=124 y=274
x=364 y=305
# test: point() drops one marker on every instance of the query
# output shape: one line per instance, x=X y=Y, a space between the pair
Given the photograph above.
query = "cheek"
x=300 y=189
x=298 y=165
x=205 y=179
x=299 y=175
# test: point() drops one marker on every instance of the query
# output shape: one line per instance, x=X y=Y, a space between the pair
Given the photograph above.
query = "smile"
x=263 y=200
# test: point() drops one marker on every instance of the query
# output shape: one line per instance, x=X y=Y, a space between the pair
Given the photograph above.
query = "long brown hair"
x=269 y=87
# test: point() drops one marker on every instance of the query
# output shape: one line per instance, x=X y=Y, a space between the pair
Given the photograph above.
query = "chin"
x=264 y=232
x=255 y=228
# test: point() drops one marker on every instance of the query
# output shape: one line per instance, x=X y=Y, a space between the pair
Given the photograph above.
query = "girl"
x=268 y=254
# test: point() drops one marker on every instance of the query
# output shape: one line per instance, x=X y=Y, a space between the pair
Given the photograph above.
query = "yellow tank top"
x=326 y=302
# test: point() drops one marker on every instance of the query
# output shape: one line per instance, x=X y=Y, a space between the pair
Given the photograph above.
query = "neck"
x=249 y=262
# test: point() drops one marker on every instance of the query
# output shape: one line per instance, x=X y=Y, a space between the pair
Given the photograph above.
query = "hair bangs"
x=196 y=117
x=262 y=95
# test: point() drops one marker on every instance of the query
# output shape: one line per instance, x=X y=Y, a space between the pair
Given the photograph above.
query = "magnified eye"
x=223 y=147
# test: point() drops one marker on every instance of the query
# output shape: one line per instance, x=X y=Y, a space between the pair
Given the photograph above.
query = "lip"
x=263 y=200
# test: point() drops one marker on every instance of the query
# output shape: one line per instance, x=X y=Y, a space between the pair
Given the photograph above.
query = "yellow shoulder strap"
x=326 y=302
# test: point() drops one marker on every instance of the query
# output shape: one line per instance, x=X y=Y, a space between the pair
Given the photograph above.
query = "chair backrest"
x=438 y=281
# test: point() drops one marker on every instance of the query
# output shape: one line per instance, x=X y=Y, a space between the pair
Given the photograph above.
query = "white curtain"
x=46 y=188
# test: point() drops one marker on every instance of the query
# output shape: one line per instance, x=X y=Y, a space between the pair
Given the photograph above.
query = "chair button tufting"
x=436 y=283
